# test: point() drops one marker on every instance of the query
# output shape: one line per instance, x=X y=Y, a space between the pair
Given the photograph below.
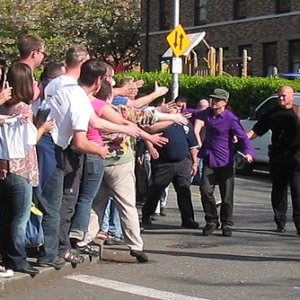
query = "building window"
x=239 y=9
x=269 y=58
x=200 y=12
x=294 y=56
x=283 y=6
x=164 y=15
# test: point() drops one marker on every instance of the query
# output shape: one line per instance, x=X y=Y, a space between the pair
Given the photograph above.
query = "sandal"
x=73 y=258
x=87 y=249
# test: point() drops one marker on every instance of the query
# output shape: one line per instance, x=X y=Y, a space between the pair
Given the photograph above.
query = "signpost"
x=179 y=42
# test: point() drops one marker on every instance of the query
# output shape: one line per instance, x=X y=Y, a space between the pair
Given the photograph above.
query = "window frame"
x=238 y=7
x=280 y=6
x=292 y=60
x=164 y=22
x=266 y=56
x=198 y=7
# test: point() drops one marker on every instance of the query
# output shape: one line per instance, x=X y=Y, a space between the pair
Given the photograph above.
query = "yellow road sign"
x=178 y=40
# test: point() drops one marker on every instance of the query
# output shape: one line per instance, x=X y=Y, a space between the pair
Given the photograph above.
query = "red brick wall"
x=256 y=32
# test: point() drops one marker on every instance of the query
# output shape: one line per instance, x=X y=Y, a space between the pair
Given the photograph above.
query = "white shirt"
x=70 y=106
x=16 y=138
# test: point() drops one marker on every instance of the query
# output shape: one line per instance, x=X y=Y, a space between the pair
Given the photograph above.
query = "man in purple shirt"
x=217 y=152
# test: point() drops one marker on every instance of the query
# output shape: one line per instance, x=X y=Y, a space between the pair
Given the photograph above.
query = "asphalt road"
x=255 y=263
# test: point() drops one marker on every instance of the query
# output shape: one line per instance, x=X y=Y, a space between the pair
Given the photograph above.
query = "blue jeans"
x=94 y=166
x=111 y=219
x=49 y=203
x=15 y=204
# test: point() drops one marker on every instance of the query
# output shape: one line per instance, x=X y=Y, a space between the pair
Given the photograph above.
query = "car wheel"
x=242 y=166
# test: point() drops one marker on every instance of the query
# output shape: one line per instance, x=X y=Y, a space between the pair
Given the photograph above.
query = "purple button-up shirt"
x=218 y=146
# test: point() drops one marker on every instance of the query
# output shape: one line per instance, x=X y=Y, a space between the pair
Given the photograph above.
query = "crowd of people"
x=68 y=146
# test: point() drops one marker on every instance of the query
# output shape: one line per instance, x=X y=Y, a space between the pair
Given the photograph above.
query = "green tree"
x=109 y=28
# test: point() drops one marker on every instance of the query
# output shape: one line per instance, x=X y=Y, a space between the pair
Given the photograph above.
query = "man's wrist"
x=153 y=96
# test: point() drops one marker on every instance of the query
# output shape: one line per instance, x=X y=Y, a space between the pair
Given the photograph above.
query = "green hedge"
x=245 y=93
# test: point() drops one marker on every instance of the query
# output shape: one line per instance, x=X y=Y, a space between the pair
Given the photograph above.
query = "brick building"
x=268 y=29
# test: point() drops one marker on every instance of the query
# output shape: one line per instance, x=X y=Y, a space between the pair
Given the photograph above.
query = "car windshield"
x=272 y=102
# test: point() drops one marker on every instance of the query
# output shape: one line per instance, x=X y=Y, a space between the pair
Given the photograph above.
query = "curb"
x=20 y=281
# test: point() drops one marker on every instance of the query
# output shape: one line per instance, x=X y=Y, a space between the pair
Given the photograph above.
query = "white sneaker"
x=6 y=273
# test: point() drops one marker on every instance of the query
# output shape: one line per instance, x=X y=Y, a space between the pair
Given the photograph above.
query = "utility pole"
x=175 y=75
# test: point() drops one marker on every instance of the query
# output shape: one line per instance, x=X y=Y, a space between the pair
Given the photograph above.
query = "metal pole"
x=146 y=68
x=175 y=76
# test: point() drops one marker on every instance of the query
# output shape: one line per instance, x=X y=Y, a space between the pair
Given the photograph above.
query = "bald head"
x=286 y=97
x=203 y=104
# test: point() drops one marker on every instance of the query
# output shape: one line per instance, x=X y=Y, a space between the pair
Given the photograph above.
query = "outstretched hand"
x=160 y=90
x=179 y=119
x=159 y=140
x=132 y=130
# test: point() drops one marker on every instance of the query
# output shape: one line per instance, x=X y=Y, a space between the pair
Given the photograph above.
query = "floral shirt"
x=120 y=145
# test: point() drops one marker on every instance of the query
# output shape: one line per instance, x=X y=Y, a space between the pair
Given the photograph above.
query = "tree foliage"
x=110 y=28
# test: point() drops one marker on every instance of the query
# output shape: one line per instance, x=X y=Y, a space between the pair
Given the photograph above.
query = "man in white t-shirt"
x=72 y=112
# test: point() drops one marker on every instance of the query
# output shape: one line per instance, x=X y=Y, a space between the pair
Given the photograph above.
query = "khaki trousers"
x=119 y=182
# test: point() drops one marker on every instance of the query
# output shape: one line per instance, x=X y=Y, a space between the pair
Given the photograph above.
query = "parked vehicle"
x=260 y=144
x=290 y=75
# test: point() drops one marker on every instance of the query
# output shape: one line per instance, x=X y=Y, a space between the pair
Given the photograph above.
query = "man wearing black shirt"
x=174 y=162
x=284 y=155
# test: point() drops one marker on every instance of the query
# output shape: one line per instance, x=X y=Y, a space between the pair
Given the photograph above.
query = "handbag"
x=34 y=235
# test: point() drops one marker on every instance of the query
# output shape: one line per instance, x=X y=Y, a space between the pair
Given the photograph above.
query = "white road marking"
x=130 y=288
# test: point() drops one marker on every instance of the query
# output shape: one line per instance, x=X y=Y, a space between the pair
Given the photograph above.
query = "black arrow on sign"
x=181 y=39
x=175 y=42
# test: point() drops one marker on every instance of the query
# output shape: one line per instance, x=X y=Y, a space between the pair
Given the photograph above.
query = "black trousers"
x=73 y=163
x=285 y=172
x=224 y=178
x=163 y=173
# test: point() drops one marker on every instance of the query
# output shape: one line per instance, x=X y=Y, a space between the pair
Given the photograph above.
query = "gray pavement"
x=255 y=263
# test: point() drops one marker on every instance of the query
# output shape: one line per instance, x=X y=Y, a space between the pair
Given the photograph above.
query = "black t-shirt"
x=285 y=128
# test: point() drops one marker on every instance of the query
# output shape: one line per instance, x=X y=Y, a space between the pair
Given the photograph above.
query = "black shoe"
x=57 y=265
x=153 y=218
x=298 y=231
x=280 y=229
x=27 y=270
x=227 y=231
x=146 y=220
x=139 y=255
x=114 y=241
x=190 y=224
x=209 y=228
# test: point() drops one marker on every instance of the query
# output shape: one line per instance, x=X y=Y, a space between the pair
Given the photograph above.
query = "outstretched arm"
x=104 y=125
x=145 y=100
